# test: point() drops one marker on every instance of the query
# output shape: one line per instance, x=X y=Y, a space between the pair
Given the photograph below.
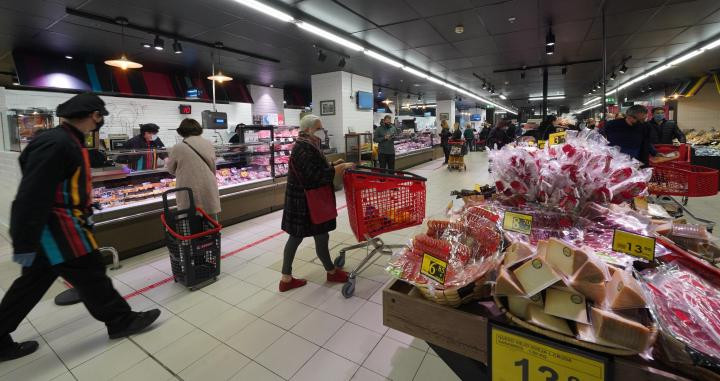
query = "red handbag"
x=320 y=202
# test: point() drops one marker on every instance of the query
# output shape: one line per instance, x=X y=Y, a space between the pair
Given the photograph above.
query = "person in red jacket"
x=52 y=233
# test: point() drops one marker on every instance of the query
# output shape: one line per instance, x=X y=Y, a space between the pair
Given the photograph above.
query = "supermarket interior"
x=336 y=190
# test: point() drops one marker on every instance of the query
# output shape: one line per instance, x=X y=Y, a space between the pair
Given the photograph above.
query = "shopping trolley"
x=457 y=153
x=677 y=177
x=379 y=201
x=193 y=240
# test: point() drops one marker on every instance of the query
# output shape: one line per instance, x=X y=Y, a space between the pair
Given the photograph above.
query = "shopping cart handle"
x=360 y=169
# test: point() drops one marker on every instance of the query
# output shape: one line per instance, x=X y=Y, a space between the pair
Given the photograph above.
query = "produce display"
x=582 y=170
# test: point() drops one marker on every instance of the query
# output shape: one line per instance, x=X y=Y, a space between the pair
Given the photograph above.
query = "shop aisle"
x=241 y=328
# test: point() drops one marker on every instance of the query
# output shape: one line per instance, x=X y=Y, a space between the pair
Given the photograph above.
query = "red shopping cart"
x=193 y=240
x=379 y=201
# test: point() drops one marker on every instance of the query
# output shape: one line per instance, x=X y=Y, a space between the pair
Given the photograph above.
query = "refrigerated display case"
x=359 y=148
x=23 y=125
x=413 y=148
x=283 y=138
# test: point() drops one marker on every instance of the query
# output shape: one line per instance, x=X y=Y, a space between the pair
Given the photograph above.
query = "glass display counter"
x=409 y=143
x=359 y=148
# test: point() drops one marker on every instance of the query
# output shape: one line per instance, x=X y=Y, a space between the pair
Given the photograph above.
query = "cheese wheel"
x=592 y=272
x=518 y=304
x=564 y=257
x=537 y=316
x=535 y=275
x=507 y=284
x=623 y=291
x=516 y=253
x=619 y=330
x=592 y=291
x=566 y=304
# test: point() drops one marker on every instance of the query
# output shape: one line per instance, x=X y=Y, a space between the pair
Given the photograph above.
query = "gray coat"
x=196 y=173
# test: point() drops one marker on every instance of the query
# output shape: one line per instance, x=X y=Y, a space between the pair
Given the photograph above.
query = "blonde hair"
x=308 y=121
x=456 y=125
x=444 y=124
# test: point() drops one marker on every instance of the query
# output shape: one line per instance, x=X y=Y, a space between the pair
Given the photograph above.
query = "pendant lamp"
x=219 y=76
x=123 y=62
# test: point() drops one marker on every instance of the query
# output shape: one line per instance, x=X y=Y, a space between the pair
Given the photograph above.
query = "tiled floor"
x=241 y=327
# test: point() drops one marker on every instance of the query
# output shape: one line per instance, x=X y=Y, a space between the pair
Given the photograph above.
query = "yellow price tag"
x=517 y=222
x=557 y=138
x=516 y=356
x=433 y=268
x=541 y=144
x=478 y=188
x=633 y=244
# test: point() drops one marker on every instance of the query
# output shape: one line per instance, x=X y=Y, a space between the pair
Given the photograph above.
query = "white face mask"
x=320 y=133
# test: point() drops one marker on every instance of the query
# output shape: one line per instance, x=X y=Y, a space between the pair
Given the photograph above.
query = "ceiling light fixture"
x=270 y=11
x=550 y=38
x=321 y=56
x=415 y=72
x=382 y=58
x=484 y=85
x=122 y=62
x=329 y=36
x=459 y=29
x=592 y=100
x=146 y=45
x=503 y=97
x=218 y=76
x=550 y=98
x=622 y=69
x=177 y=47
x=159 y=43
x=68 y=57
x=550 y=50
x=612 y=76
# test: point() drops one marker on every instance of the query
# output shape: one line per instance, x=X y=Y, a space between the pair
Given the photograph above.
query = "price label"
x=517 y=356
x=478 y=188
x=433 y=268
x=557 y=138
x=633 y=244
x=517 y=222
x=541 y=144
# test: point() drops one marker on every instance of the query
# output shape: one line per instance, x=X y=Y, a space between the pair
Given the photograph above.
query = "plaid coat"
x=309 y=169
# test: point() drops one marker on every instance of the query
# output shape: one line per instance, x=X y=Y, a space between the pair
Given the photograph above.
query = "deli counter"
x=413 y=148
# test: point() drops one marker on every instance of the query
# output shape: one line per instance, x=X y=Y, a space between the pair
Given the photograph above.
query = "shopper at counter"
x=385 y=136
x=51 y=230
x=631 y=134
x=445 y=139
x=309 y=169
x=469 y=135
x=663 y=131
x=457 y=134
x=547 y=126
x=193 y=164
x=235 y=139
x=149 y=141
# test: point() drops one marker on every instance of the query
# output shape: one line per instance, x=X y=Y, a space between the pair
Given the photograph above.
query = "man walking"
x=385 y=136
x=51 y=230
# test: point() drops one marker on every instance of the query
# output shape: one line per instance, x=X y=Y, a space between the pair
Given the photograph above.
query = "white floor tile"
x=111 y=363
x=340 y=306
x=23 y=333
x=318 y=327
x=147 y=369
x=204 y=311
x=228 y=324
x=255 y=338
x=238 y=292
x=353 y=342
x=141 y=277
x=65 y=377
x=288 y=313
x=256 y=372
x=188 y=349
x=45 y=368
x=407 y=339
x=287 y=355
x=165 y=291
x=433 y=368
x=163 y=335
x=182 y=301
x=370 y=316
x=267 y=259
x=261 y=302
x=363 y=374
x=220 y=364
x=247 y=270
x=312 y=294
x=394 y=360
x=264 y=277
x=326 y=366
x=79 y=350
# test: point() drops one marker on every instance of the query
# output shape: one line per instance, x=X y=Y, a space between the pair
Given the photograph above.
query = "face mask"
x=320 y=134
x=658 y=117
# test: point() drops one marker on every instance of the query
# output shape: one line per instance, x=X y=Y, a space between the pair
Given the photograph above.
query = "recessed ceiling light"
x=271 y=85
x=459 y=29
x=69 y=57
x=511 y=20
x=146 y=45
x=416 y=84
x=158 y=44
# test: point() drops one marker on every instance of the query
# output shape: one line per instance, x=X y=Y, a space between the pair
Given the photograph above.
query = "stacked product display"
x=560 y=213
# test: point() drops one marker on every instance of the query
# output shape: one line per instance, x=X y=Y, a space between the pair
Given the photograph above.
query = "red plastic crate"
x=381 y=201
x=683 y=179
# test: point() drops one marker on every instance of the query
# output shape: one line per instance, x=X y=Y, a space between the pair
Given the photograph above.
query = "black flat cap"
x=81 y=104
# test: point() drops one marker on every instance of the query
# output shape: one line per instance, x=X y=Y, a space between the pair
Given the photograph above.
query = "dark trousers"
x=387 y=160
x=322 y=249
x=446 y=151
x=470 y=144
x=86 y=274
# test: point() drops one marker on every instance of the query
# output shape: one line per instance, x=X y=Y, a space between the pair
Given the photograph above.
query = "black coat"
x=309 y=169
x=665 y=132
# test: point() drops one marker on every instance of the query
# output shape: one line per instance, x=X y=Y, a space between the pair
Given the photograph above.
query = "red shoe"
x=293 y=283
x=339 y=276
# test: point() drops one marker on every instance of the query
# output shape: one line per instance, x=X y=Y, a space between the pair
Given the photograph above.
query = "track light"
x=146 y=45
x=622 y=69
x=419 y=97
x=484 y=85
x=379 y=91
x=550 y=49
x=342 y=62
x=598 y=85
x=158 y=44
x=612 y=76
x=177 y=47
x=550 y=38
x=321 y=56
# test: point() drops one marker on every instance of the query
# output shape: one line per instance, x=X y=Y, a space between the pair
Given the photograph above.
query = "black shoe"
x=141 y=321
x=18 y=350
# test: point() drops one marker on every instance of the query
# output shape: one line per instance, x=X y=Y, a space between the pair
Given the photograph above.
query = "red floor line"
x=230 y=254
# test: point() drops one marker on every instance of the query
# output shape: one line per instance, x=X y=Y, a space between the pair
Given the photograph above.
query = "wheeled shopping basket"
x=193 y=240
x=379 y=201
x=457 y=153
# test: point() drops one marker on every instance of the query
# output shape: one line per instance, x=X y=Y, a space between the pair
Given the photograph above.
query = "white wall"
x=128 y=113
x=340 y=86
x=700 y=112
x=292 y=116
x=445 y=107
x=10 y=174
x=267 y=100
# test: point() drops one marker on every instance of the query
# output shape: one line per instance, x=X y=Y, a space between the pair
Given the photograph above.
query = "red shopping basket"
x=381 y=201
x=682 y=153
x=193 y=240
x=683 y=179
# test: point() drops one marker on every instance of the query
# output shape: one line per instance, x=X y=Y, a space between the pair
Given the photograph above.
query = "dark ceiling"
x=498 y=35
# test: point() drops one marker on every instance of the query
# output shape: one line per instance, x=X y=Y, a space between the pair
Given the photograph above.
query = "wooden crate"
x=464 y=331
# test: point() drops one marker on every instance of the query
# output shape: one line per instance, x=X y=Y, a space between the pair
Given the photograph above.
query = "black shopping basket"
x=193 y=240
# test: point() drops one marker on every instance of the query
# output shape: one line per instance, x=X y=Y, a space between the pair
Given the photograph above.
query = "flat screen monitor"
x=364 y=100
x=476 y=117
x=214 y=120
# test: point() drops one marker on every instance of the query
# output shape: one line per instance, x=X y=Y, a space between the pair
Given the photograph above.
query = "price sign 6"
x=517 y=356
x=517 y=222
x=633 y=244
x=433 y=268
